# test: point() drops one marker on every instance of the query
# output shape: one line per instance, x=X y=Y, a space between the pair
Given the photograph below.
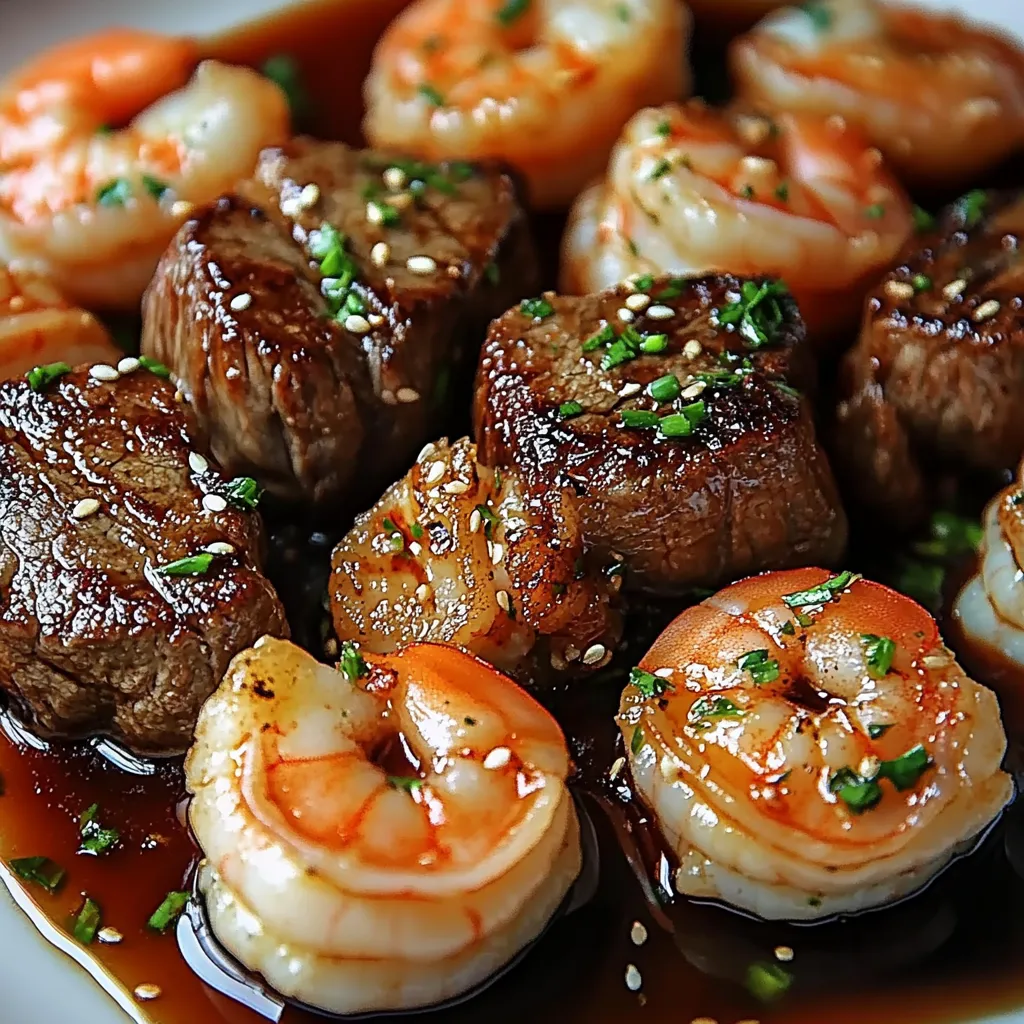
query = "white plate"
x=38 y=984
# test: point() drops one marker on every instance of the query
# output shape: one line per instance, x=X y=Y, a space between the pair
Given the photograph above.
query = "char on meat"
x=317 y=319
x=564 y=393
x=97 y=495
x=935 y=383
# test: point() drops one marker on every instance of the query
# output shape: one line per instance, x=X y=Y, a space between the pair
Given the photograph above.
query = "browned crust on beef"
x=284 y=392
x=92 y=638
x=936 y=380
x=749 y=490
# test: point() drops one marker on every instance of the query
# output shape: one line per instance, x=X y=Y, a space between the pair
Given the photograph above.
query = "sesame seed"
x=703 y=1020
x=214 y=503
x=290 y=207
x=503 y=602
x=394 y=178
x=407 y=395
x=220 y=547
x=475 y=519
x=240 y=302
x=627 y=316
x=633 y=979
x=402 y=201
x=660 y=312
x=594 y=654
x=692 y=349
x=16 y=303
x=498 y=758
x=356 y=324
x=933 y=660
x=694 y=389
x=986 y=310
x=629 y=389
x=868 y=767
x=380 y=254
x=663 y=673
x=617 y=765
x=456 y=487
x=414 y=549
x=784 y=953
x=453 y=270
x=330 y=647
x=426 y=451
x=638 y=301
x=375 y=319
x=147 y=991
x=572 y=652
x=179 y=396
x=375 y=213
x=980 y=108
x=753 y=130
x=420 y=265
x=497 y=553
x=423 y=592
x=836 y=122
x=128 y=365
x=197 y=463
x=435 y=472
x=758 y=165
x=85 y=508
x=899 y=290
x=101 y=371
x=388 y=398
x=181 y=208
x=109 y=935
x=309 y=196
x=638 y=933
x=954 y=289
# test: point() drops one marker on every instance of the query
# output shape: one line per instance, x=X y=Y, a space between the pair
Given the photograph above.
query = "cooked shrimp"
x=942 y=97
x=38 y=326
x=543 y=85
x=989 y=610
x=384 y=836
x=809 y=746
x=695 y=191
x=461 y=554
x=96 y=200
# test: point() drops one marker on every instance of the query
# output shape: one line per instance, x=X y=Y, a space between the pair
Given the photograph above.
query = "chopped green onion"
x=653 y=344
x=648 y=683
x=114 y=193
x=619 y=351
x=41 y=870
x=639 y=419
x=951 y=537
x=858 y=794
x=95 y=838
x=904 y=771
x=923 y=220
x=352 y=665
x=567 y=410
x=695 y=412
x=512 y=10
x=429 y=93
x=788 y=628
x=971 y=207
x=644 y=283
x=417 y=531
x=921 y=282
x=861 y=794
x=675 y=425
x=155 y=367
x=622 y=13
x=757 y=315
x=663 y=128
x=169 y=910
x=879 y=651
x=875 y=730
x=876 y=211
x=820 y=15
x=768 y=982
x=194 y=565
x=637 y=742
x=536 y=308
x=244 y=492
x=87 y=923
x=404 y=782
x=824 y=592
x=385 y=214
x=603 y=337
x=747 y=192
x=40 y=376
x=155 y=187
x=762 y=669
x=706 y=708
x=283 y=71
x=660 y=169
x=492 y=273
x=489 y=519
x=673 y=289
x=665 y=389
x=782 y=192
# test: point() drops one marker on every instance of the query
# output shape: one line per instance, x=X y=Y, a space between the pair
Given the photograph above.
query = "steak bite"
x=129 y=566
x=936 y=379
x=315 y=319
x=669 y=406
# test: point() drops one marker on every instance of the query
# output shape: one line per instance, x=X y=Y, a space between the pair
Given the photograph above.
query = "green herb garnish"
x=283 y=71
x=644 y=283
x=407 y=783
x=861 y=794
x=971 y=207
x=876 y=211
x=429 y=93
x=921 y=282
x=648 y=683
x=762 y=669
x=663 y=128
x=879 y=651
x=384 y=214
x=875 y=730
x=904 y=771
x=820 y=15
x=155 y=367
x=155 y=187
x=537 y=308
x=417 y=531
x=40 y=376
x=603 y=337
x=87 y=923
x=660 y=169
x=747 y=192
x=351 y=662
x=95 y=838
x=487 y=516
x=40 y=870
x=782 y=192
x=169 y=910
x=637 y=741
x=194 y=565
x=511 y=11
x=653 y=344
x=665 y=389
x=788 y=628
x=114 y=193
x=769 y=982
x=639 y=419
x=824 y=592
x=567 y=410
x=757 y=315
x=923 y=220
x=673 y=289
x=244 y=492
x=706 y=708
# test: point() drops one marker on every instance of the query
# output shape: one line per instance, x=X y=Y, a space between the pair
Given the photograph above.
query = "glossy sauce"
x=956 y=951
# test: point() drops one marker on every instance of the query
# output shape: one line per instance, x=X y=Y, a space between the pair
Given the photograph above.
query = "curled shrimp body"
x=809 y=746
x=39 y=326
x=941 y=97
x=383 y=836
x=692 y=190
x=92 y=188
x=543 y=85
x=462 y=554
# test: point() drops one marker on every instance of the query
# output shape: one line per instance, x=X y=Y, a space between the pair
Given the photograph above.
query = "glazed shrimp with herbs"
x=106 y=145
x=381 y=836
x=693 y=190
x=809 y=746
x=941 y=97
x=543 y=85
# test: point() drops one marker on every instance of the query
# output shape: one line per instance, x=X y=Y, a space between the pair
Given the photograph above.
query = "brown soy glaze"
x=956 y=951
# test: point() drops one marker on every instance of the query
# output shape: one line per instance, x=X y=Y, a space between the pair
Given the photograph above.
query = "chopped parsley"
x=492 y=273
x=768 y=982
x=169 y=910
x=819 y=14
x=971 y=207
x=40 y=870
x=788 y=628
x=637 y=741
x=782 y=192
x=567 y=410
x=861 y=794
x=95 y=838
x=921 y=282
x=417 y=531
x=155 y=367
x=923 y=220
x=244 y=492
x=647 y=683
x=487 y=516
x=876 y=211
x=40 y=376
x=879 y=651
x=663 y=128
x=511 y=11
x=114 y=193
x=351 y=663
x=660 y=169
x=409 y=784
x=194 y=565
x=875 y=730
x=155 y=187
x=283 y=71
x=665 y=389
x=951 y=536
x=87 y=923
x=536 y=308
x=704 y=709
x=757 y=315
x=430 y=94
x=762 y=669
x=747 y=192
x=824 y=592
x=673 y=289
